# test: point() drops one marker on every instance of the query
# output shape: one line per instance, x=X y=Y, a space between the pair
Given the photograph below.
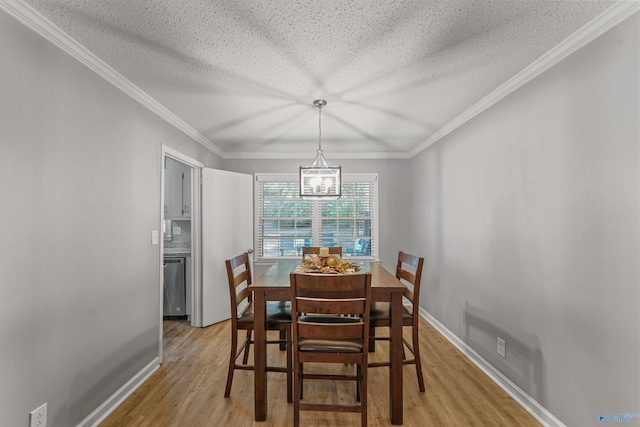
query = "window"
x=285 y=223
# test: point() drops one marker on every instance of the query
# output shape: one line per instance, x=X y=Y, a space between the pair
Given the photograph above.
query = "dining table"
x=274 y=285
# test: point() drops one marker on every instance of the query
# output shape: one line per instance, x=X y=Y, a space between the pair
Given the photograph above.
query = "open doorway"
x=176 y=231
x=180 y=247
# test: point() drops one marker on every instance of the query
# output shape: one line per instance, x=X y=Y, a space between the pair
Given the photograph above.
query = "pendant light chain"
x=319 y=127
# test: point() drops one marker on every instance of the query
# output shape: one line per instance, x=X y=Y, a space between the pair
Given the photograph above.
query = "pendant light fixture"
x=319 y=181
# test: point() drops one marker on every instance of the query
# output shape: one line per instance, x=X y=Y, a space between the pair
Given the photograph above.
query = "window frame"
x=316 y=213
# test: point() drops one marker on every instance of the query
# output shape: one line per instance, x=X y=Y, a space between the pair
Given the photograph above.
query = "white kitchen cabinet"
x=177 y=194
x=172 y=193
x=186 y=195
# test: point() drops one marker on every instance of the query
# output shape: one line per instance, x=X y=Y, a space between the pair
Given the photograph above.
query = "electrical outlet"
x=502 y=348
x=38 y=417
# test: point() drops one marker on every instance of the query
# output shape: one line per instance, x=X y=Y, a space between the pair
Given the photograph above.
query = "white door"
x=227 y=231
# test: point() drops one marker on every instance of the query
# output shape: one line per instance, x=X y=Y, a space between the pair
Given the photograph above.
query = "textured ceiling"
x=244 y=73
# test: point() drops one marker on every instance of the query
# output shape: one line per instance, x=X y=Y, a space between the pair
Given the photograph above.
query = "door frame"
x=196 y=289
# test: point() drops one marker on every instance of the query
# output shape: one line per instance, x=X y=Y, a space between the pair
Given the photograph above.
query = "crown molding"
x=31 y=18
x=608 y=19
x=309 y=156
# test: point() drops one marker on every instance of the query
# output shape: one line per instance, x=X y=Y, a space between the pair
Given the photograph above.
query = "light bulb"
x=316 y=182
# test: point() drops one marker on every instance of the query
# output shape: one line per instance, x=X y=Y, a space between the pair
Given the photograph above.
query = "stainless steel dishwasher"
x=175 y=301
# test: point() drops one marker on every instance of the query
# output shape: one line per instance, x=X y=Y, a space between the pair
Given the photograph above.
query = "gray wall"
x=79 y=313
x=528 y=217
x=394 y=195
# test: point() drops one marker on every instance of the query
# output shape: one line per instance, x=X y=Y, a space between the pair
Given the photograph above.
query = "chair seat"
x=330 y=346
x=277 y=312
x=382 y=311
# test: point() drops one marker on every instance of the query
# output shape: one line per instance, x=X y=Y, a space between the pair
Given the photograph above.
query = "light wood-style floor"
x=187 y=390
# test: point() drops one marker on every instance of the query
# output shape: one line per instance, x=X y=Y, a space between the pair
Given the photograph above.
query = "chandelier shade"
x=319 y=181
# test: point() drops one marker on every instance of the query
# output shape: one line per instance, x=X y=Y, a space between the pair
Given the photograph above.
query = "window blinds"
x=285 y=223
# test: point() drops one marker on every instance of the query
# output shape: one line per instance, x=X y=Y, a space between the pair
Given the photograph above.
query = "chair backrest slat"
x=242 y=295
x=325 y=306
x=318 y=284
x=406 y=275
x=244 y=276
x=330 y=331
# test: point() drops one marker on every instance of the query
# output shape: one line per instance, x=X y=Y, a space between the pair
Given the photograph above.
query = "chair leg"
x=358 y=377
x=363 y=393
x=232 y=362
x=416 y=355
x=283 y=336
x=297 y=395
x=301 y=379
x=372 y=339
x=289 y=366
x=245 y=358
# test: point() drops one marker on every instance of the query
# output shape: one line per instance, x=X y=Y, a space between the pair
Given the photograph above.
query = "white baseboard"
x=102 y=411
x=526 y=401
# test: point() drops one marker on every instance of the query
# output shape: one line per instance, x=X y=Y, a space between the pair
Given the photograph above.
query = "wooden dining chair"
x=409 y=271
x=330 y=325
x=278 y=318
x=315 y=250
